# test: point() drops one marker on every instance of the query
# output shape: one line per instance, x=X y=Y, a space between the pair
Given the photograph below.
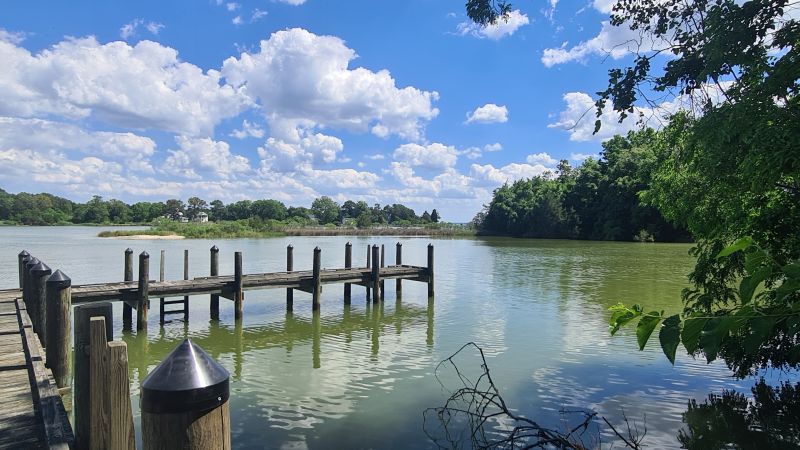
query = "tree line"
x=602 y=199
x=47 y=209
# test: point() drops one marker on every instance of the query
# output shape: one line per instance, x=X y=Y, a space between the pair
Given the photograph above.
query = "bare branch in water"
x=476 y=416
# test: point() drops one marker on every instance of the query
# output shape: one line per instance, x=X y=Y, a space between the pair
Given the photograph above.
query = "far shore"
x=142 y=237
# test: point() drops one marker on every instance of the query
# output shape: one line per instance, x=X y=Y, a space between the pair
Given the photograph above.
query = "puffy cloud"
x=542 y=158
x=579 y=116
x=249 y=129
x=11 y=37
x=477 y=152
x=285 y=156
x=303 y=81
x=498 y=30
x=496 y=147
x=45 y=135
x=488 y=113
x=434 y=155
x=142 y=86
x=293 y=2
x=376 y=156
x=129 y=29
x=489 y=175
x=611 y=41
x=204 y=157
x=604 y=6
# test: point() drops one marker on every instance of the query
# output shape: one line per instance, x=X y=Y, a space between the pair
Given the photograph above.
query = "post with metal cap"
x=143 y=292
x=369 y=253
x=430 y=270
x=186 y=277
x=214 y=272
x=238 y=294
x=59 y=326
x=315 y=280
x=39 y=275
x=383 y=282
x=21 y=260
x=348 y=263
x=289 y=268
x=127 y=309
x=161 y=278
x=24 y=268
x=398 y=261
x=376 y=277
x=27 y=294
x=184 y=402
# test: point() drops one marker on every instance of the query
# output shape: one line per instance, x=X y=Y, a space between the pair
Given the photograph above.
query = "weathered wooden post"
x=238 y=294
x=369 y=253
x=214 y=273
x=111 y=420
x=315 y=280
x=161 y=278
x=398 y=261
x=127 y=309
x=430 y=270
x=39 y=275
x=186 y=277
x=289 y=268
x=21 y=260
x=59 y=326
x=184 y=402
x=26 y=289
x=383 y=282
x=81 y=385
x=348 y=263
x=376 y=277
x=143 y=292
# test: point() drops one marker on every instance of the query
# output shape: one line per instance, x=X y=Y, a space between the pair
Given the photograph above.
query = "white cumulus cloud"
x=500 y=29
x=198 y=158
x=303 y=80
x=542 y=158
x=434 y=155
x=488 y=113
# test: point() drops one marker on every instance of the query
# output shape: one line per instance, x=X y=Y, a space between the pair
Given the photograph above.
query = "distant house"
x=201 y=217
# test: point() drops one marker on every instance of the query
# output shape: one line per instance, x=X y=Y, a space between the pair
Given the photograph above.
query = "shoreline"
x=142 y=237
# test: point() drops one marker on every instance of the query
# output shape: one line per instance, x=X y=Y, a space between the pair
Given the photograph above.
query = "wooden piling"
x=59 y=326
x=214 y=272
x=186 y=277
x=127 y=310
x=142 y=294
x=20 y=260
x=315 y=280
x=430 y=270
x=238 y=294
x=39 y=275
x=161 y=278
x=81 y=385
x=369 y=254
x=376 y=277
x=348 y=263
x=289 y=268
x=110 y=408
x=27 y=290
x=383 y=282
x=398 y=261
x=186 y=408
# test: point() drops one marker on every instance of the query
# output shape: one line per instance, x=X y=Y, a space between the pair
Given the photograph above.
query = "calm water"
x=360 y=377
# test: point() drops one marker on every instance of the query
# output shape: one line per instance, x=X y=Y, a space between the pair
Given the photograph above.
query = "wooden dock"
x=32 y=414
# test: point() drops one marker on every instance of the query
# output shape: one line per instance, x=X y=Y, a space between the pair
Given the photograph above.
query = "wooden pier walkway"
x=32 y=414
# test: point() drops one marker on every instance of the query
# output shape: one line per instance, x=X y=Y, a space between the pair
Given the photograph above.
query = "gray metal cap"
x=187 y=380
x=58 y=279
x=41 y=269
x=24 y=253
x=31 y=262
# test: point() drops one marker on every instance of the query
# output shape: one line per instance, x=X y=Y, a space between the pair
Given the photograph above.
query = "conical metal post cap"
x=187 y=380
x=31 y=262
x=41 y=269
x=58 y=278
x=24 y=253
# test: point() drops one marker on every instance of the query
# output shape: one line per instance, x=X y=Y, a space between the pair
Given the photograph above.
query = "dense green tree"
x=240 y=210
x=299 y=212
x=435 y=216
x=194 y=206
x=364 y=220
x=426 y=217
x=269 y=209
x=217 y=211
x=118 y=211
x=325 y=210
x=174 y=208
x=96 y=211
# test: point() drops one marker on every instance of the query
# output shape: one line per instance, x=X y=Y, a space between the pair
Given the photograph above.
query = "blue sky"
x=387 y=102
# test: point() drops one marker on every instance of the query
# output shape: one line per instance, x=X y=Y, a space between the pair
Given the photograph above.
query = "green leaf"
x=787 y=288
x=690 y=335
x=740 y=244
x=754 y=260
x=646 y=326
x=792 y=270
x=670 y=336
x=715 y=331
x=760 y=330
x=621 y=315
x=750 y=283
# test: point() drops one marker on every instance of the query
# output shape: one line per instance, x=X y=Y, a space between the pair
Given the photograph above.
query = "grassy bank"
x=270 y=228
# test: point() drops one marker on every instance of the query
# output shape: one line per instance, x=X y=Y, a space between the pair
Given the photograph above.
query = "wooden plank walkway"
x=32 y=414
x=224 y=285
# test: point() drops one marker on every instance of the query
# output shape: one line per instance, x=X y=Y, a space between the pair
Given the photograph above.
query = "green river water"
x=361 y=376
